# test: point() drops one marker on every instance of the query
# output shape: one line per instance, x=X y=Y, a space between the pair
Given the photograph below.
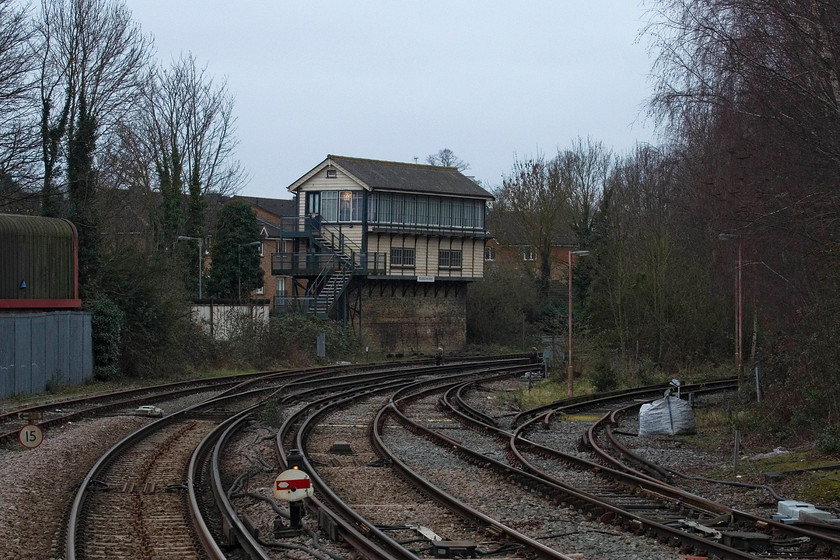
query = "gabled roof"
x=278 y=206
x=507 y=229
x=379 y=175
x=269 y=230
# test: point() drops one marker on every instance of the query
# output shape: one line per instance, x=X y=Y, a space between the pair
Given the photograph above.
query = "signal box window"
x=402 y=256
x=448 y=258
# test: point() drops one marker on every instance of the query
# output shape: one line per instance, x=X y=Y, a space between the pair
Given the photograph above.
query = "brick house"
x=270 y=213
x=526 y=257
x=387 y=247
x=509 y=246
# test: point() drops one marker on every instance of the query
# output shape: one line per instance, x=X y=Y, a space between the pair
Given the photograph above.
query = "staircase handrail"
x=340 y=243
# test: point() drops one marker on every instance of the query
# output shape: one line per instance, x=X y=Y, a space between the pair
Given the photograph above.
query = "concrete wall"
x=220 y=320
x=44 y=349
x=414 y=317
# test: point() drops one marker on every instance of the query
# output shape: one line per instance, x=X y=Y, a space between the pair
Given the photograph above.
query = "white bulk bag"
x=669 y=415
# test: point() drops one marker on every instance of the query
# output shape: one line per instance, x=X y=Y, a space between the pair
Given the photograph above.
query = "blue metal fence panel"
x=63 y=344
x=23 y=356
x=38 y=353
x=41 y=349
x=87 y=363
x=7 y=356
x=51 y=332
x=76 y=350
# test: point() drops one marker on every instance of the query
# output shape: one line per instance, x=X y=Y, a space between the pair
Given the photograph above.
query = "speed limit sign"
x=31 y=436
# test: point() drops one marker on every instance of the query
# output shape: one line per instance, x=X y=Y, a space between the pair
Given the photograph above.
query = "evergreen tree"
x=81 y=189
x=169 y=169
x=235 y=269
x=198 y=204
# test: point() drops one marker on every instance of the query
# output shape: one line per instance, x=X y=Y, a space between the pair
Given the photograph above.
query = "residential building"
x=270 y=214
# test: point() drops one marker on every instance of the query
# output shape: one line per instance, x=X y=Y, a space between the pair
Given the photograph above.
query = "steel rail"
x=457 y=370
x=610 y=396
x=446 y=499
x=207 y=448
x=361 y=530
x=738 y=517
x=102 y=463
x=135 y=396
x=352 y=526
x=254 y=547
x=633 y=478
x=244 y=538
x=533 y=477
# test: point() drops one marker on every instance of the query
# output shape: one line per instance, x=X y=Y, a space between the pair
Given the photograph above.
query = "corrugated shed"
x=38 y=260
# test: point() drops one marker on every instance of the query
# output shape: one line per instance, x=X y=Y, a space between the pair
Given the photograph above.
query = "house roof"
x=401 y=177
x=507 y=229
x=278 y=206
x=271 y=231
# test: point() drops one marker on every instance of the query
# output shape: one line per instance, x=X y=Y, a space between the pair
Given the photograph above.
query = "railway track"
x=388 y=526
x=336 y=517
x=181 y=492
x=59 y=412
x=132 y=502
x=616 y=493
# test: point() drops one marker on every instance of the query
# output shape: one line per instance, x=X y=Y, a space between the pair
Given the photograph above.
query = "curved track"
x=175 y=489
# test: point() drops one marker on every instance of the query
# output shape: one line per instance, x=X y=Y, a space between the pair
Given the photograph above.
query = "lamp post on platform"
x=580 y=253
x=739 y=316
x=200 y=256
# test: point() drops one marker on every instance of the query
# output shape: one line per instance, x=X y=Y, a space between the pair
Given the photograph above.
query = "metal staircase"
x=336 y=275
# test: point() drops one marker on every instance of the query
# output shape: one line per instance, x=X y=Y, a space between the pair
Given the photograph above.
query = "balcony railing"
x=284 y=304
x=283 y=264
x=293 y=226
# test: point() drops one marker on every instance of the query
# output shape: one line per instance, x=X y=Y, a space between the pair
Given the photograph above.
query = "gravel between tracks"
x=37 y=485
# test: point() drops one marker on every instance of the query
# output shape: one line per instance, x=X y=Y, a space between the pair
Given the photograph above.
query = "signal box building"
x=389 y=248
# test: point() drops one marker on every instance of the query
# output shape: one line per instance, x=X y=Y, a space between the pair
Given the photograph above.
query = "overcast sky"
x=493 y=81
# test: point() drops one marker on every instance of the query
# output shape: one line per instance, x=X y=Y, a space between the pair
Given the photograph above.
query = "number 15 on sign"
x=31 y=436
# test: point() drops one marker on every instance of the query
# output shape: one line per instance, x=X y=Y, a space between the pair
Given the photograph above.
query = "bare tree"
x=583 y=170
x=751 y=91
x=93 y=57
x=183 y=143
x=17 y=138
x=536 y=196
x=767 y=59
x=447 y=158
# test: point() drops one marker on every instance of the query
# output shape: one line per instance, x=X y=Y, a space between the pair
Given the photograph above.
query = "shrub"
x=107 y=324
x=603 y=375
x=292 y=339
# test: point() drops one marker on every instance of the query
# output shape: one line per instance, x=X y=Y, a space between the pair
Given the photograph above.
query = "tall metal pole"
x=200 y=259
x=739 y=357
x=739 y=311
x=571 y=371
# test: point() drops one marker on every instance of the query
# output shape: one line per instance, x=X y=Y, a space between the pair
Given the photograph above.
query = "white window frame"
x=529 y=254
x=403 y=257
x=450 y=258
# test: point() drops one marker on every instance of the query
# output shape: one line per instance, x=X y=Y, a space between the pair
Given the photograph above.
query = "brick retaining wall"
x=407 y=317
